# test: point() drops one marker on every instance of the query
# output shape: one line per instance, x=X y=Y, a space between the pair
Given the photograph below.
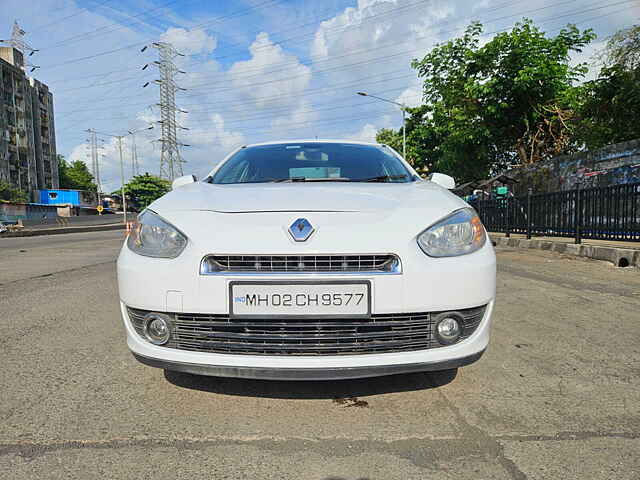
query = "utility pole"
x=135 y=168
x=134 y=156
x=170 y=159
x=403 y=107
x=124 y=199
x=95 y=162
x=119 y=139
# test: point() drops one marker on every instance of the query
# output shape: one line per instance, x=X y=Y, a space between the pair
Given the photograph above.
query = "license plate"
x=349 y=298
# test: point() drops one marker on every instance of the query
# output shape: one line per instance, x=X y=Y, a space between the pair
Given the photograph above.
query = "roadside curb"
x=620 y=257
x=58 y=231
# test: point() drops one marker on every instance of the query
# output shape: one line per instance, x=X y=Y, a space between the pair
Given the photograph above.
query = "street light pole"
x=134 y=150
x=404 y=117
x=404 y=134
x=124 y=200
x=120 y=138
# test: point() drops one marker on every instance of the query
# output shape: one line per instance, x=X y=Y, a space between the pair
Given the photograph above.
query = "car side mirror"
x=182 y=181
x=443 y=180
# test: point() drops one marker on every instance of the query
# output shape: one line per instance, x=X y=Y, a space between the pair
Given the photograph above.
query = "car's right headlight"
x=458 y=234
x=153 y=236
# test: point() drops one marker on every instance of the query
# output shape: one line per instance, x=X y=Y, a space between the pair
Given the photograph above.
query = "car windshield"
x=313 y=162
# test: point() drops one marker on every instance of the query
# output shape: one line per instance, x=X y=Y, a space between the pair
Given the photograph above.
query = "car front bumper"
x=336 y=373
x=318 y=367
x=426 y=284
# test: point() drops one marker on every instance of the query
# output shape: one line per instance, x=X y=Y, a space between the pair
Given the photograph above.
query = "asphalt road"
x=557 y=395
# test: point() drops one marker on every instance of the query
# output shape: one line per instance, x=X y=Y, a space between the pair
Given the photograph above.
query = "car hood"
x=306 y=197
x=228 y=219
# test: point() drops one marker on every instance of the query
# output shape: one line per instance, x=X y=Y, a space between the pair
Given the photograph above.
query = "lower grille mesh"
x=282 y=336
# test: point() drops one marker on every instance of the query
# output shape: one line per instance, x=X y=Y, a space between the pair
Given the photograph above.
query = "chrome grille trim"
x=381 y=333
x=386 y=263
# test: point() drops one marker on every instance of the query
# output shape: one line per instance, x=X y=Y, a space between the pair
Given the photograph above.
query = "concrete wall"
x=612 y=165
x=12 y=212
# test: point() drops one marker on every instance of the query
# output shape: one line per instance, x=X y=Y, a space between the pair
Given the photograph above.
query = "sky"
x=255 y=70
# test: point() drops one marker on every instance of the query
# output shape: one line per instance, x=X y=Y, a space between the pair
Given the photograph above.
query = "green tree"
x=390 y=137
x=495 y=105
x=11 y=194
x=75 y=175
x=144 y=189
x=609 y=106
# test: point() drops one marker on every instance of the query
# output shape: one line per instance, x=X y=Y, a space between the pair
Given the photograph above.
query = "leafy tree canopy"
x=11 y=194
x=608 y=108
x=75 y=175
x=144 y=189
x=495 y=105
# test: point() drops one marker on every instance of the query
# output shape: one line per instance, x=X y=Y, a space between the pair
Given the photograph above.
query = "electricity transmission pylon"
x=17 y=42
x=170 y=159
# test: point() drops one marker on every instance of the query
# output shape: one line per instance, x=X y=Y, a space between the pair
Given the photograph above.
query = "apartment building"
x=27 y=132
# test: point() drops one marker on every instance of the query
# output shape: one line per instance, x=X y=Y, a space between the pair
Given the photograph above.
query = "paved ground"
x=556 y=396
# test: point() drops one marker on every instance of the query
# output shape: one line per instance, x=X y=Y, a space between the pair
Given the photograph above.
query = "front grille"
x=300 y=263
x=328 y=336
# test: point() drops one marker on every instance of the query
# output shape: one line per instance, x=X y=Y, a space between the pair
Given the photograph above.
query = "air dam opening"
x=388 y=332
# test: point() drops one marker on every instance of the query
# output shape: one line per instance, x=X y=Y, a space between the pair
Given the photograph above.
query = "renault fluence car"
x=308 y=260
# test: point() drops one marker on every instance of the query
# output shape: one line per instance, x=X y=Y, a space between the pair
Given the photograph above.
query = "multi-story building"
x=27 y=134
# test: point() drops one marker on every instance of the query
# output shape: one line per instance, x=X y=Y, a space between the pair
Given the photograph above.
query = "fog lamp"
x=156 y=328
x=448 y=330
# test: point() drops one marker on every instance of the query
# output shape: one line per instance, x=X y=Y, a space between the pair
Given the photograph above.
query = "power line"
x=297 y=27
x=315 y=91
x=81 y=11
x=222 y=104
x=137 y=44
x=285 y=67
x=554 y=18
x=118 y=25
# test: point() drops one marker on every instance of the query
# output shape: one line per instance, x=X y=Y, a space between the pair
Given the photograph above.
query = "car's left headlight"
x=458 y=234
x=152 y=236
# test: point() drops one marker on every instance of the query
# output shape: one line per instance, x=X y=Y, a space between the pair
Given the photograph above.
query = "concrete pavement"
x=557 y=394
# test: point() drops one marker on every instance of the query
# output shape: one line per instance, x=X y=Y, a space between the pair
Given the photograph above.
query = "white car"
x=308 y=260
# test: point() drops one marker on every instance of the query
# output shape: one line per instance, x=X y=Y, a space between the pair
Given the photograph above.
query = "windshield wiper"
x=292 y=179
x=380 y=178
x=311 y=179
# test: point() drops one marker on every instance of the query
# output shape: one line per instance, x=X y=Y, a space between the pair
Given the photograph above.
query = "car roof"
x=281 y=142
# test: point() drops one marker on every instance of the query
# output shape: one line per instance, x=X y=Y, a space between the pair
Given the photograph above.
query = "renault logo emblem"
x=301 y=230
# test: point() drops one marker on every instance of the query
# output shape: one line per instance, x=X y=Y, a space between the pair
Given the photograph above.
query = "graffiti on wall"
x=575 y=175
x=613 y=165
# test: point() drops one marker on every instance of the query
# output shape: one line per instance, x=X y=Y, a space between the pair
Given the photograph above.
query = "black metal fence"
x=606 y=213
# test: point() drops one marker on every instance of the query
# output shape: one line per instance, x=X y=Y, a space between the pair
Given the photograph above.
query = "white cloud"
x=369 y=130
x=411 y=97
x=366 y=134
x=189 y=42
x=300 y=118
x=271 y=77
x=249 y=88
x=370 y=46
x=213 y=132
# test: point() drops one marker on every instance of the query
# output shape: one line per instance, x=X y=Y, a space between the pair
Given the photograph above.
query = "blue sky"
x=256 y=69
